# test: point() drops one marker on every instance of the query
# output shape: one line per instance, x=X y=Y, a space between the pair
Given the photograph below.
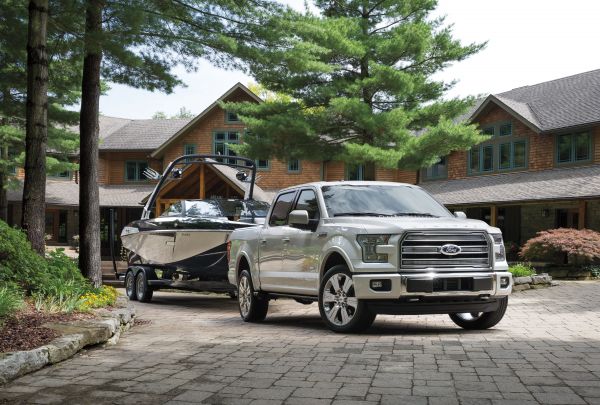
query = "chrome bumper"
x=400 y=285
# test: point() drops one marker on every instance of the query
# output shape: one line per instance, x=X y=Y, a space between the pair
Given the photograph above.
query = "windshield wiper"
x=415 y=214
x=360 y=214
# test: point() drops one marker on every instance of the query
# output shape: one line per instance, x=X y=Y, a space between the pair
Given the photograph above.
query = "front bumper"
x=416 y=285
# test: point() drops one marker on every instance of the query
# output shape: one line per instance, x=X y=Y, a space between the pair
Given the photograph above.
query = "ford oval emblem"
x=450 y=249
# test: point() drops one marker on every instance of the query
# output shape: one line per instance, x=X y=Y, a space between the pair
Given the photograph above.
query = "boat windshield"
x=380 y=200
x=244 y=209
x=202 y=209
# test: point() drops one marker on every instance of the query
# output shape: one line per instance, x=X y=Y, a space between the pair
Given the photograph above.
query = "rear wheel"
x=130 y=286
x=338 y=305
x=143 y=290
x=481 y=320
x=252 y=307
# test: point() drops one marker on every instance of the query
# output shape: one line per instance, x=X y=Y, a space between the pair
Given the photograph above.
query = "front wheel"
x=338 y=305
x=252 y=307
x=481 y=320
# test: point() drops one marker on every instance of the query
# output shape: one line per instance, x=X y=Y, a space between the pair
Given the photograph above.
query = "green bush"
x=521 y=270
x=19 y=263
x=54 y=282
x=11 y=300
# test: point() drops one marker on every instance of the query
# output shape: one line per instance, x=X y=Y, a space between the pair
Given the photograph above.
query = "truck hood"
x=395 y=225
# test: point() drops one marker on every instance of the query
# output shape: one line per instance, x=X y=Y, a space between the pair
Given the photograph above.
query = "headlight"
x=368 y=243
x=499 y=251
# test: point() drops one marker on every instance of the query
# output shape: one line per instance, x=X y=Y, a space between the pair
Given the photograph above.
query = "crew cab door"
x=301 y=248
x=270 y=244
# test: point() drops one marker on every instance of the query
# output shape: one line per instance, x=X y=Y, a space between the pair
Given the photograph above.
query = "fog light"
x=381 y=285
x=504 y=282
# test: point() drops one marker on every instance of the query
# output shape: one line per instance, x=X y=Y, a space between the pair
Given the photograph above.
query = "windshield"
x=202 y=209
x=380 y=200
x=244 y=209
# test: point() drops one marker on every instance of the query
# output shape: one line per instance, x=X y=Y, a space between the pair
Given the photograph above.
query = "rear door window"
x=281 y=209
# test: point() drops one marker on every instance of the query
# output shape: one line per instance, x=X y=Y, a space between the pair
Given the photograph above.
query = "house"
x=540 y=169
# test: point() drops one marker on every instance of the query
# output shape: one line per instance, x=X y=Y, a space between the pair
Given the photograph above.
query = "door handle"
x=263 y=241
x=286 y=240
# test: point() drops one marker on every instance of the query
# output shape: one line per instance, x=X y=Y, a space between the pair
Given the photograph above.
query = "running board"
x=274 y=296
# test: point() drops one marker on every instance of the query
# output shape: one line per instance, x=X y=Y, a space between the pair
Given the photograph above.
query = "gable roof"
x=238 y=86
x=146 y=134
x=564 y=103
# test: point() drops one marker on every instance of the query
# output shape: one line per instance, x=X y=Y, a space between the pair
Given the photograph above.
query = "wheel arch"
x=333 y=258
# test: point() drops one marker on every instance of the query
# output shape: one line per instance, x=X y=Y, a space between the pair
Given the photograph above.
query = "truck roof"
x=349 y=182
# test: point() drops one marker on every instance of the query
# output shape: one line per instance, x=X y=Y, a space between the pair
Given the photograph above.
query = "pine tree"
x=359 y=77
x=137 y=43
x=64 y=72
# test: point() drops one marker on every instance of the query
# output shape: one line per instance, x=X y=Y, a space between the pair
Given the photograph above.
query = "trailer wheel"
x=143 y=290
x=130 y=286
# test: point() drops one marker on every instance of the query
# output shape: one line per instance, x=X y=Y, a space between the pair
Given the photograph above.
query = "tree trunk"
x=36 y=128
x=3 y=185
x=89 y=203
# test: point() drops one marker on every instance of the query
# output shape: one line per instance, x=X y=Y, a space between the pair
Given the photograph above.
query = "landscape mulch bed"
x=24 y=331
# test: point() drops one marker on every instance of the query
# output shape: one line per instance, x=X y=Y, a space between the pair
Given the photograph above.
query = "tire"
x=143 y=290
x=481 y=320
x=252 y=308
x=130 y=289
x=338 y=305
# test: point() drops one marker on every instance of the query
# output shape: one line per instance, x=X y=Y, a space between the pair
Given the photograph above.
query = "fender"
x=148 y=271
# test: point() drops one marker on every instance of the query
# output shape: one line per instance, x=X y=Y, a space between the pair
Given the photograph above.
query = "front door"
x=270 y=245
x=301 y=248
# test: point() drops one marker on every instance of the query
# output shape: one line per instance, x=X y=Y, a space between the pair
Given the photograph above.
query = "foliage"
x=594 y=270
x=11 y=299
x=19 y=263
x=359 y=87
x=54 y=282
x=522 y=270
x=64 y=71
x=183 y=113
x=564 y=245
x=101 y=297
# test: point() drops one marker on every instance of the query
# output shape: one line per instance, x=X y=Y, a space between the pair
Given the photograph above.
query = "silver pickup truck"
x=365 y=248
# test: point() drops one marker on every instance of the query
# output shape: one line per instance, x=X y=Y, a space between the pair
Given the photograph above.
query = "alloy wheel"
x=244 y=296
x=339 y=300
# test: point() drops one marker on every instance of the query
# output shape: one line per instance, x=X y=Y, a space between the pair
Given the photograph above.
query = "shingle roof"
x=141 y=134
x=568 y=183
x=562 y=103
x=66 y=193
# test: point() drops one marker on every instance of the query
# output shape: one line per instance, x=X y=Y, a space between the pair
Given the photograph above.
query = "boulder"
x=522 y=280
x=15 y=364
x=521 y=287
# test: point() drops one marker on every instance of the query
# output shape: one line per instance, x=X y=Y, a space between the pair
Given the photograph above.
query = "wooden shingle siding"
x=112 y=166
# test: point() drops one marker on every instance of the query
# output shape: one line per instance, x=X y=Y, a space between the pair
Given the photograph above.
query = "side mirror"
x=298 y=217
x=460 y=214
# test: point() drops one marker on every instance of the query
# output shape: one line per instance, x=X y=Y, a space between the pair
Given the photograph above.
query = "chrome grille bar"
x=419 y=250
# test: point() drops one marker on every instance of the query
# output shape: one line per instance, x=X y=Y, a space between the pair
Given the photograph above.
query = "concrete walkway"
x=196 y=349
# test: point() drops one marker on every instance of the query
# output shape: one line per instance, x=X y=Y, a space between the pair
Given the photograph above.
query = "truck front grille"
x=421 y=250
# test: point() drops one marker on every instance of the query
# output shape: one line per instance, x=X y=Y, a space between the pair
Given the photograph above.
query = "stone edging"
x=542 y=280
x=75 y=336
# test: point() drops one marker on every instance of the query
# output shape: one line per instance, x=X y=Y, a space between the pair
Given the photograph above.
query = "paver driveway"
x=547 y=350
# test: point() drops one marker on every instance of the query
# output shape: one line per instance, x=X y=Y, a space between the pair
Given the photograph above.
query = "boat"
x=185 y=246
